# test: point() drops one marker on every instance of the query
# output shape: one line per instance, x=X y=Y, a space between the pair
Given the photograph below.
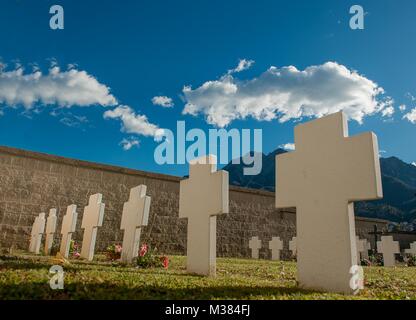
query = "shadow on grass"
x=8 y=258
x=111 y=291
x=24 y=265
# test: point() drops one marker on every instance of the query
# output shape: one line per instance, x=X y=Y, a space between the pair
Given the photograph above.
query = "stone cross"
x=255 y=245
x=367 y=247
x=38 y=228
x=375 y=233
x=69 y=224
x=322 y=178
x=362 y=249
x=388 y=248
x=135 y=215
x=412 y=250
x=201 y=198
x=292 y=246
x=368 y=243
x=33 y=234
x=92 y=219
x=50 y=231
x=276 y=245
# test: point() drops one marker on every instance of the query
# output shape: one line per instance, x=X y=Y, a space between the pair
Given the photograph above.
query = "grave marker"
x=368 y=244
x=388 y=248
x=38 y=228
x=375 y=233
x=255 y=245
x=362 y=249
x=367 y=247
x=412 y=250
x=202 y=197
x=92 y=219
x=135 y=216
x=69 y=224
x=292 y=246
x=322 y=178
x=276 y=245
x=50 y=231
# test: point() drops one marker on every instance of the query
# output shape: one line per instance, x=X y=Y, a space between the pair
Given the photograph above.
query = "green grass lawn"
x=27 y=277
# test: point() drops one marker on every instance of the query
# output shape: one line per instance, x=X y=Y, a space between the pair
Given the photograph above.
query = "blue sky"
x=142 y=49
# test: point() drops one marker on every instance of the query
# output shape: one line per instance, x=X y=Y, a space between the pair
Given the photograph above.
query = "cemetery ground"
x=25 y=276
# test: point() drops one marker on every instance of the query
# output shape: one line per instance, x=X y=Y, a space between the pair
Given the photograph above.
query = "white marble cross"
x=388 y=248
x=92 y=219
x=367 y=247
x=276 y=245
x=362 y=249
x=201 y=198
x=322 y=178
x=38 y=228
x=69 y=224
x=255 y=245
x=292 y=246
x=412 y=250
x=50 y=231
x=135 y=215
x=368 y=244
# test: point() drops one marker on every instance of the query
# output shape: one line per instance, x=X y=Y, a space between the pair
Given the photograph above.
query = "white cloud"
x=381 y=152
x=287 y=93
x=410 y=96
x=163 y=101
x=388 y=111
x=402 y=107
x=134 y=123
x=288 y=146
x=243 y=64
x=129 y=143
x=63 y=88
x=71 y=120
x=411 y=116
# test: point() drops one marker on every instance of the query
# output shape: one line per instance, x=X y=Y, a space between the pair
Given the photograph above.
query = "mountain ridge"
x=398 y=179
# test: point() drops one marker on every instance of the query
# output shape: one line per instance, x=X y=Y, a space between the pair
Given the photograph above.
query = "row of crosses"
x=322 y=178
x=275 y=245
x=39 y=228
x=135 y=216
x=387 y=247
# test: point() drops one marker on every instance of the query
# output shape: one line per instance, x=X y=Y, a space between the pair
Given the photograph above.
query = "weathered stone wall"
x=31 y=183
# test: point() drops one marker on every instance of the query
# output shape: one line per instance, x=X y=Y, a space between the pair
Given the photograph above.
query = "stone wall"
x=31 y=183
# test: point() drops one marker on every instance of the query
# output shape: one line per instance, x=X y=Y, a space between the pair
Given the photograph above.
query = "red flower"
x=143 y=250
x=165 y=262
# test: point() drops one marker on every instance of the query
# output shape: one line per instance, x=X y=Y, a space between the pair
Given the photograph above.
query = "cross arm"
x=287 y=184
x=364 y=163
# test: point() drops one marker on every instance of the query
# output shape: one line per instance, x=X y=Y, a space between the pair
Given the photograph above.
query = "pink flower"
x=118 y=248
x=165 y=262
x=143 y=250
x=77 y=254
